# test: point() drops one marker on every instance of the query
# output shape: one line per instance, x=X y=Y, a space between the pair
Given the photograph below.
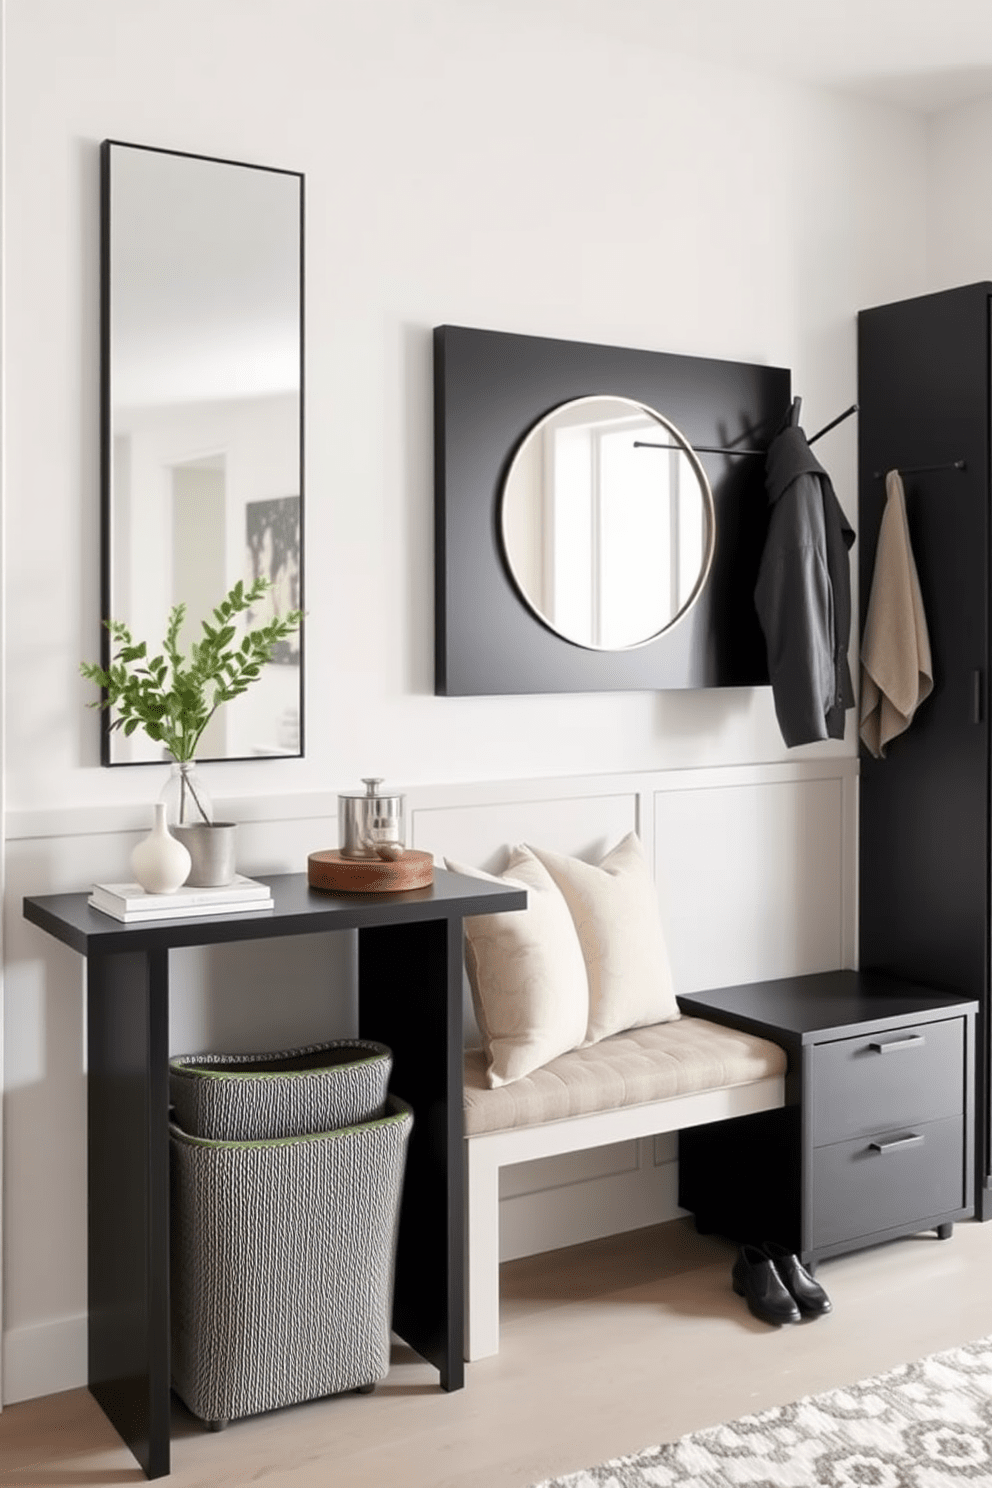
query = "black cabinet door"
x=923 y=389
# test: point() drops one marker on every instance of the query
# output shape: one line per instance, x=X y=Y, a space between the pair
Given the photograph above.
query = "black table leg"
x=410 y=997
x=128 y=1143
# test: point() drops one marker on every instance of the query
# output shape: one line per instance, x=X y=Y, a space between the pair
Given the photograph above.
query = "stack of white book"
x=130 y=902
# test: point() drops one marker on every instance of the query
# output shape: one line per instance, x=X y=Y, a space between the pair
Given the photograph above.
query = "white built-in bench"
x=636 y=1084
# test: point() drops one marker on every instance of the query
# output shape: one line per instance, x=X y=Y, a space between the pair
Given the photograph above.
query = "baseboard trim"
x=44 y=1359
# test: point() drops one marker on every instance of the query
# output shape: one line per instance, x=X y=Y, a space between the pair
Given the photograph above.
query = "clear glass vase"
x=187 y=802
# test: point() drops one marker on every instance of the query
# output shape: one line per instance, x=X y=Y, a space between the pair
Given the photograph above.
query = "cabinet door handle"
x=887 y=1046
x=976 y=697
x=896 y=1144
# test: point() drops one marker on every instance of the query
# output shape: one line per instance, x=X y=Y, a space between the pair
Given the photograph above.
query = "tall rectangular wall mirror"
x=202 y=416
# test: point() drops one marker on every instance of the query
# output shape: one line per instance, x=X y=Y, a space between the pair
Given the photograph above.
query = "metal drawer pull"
x=893 y=1144
x=886 y=1046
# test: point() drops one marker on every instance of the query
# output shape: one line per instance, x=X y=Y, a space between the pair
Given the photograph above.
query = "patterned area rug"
x=924 y=1425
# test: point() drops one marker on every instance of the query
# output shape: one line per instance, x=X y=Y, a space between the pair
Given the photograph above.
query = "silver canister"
x=371 y=824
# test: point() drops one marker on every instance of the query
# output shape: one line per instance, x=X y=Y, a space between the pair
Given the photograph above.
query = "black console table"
x=410 y=997
x=875 y=1140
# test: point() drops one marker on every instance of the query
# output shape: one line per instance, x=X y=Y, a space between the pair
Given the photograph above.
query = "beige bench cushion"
x=629 y=1069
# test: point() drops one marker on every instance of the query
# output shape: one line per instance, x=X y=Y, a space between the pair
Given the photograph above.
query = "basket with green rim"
x=260 y=1097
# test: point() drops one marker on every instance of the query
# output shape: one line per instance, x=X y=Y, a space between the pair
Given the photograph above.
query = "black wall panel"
x=924 y=397
x=490 y=388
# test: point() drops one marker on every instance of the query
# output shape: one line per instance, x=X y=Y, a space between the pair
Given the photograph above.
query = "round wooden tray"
x=329 y=870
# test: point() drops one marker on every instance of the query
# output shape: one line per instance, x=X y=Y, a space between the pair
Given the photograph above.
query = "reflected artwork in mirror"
x=606 y=519
x=202 y=417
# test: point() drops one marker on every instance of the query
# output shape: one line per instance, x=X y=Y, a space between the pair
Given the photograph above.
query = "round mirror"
x=607 y=522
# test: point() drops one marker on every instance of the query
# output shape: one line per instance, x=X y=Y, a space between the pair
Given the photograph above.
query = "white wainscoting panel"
x=755 y=867
x=752 y=879
x=625 y=1188
x=269 y=994
x=546 y=1173
x=583 y=819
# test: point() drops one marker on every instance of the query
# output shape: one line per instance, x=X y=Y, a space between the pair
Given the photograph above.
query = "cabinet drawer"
x=879 y=1081
x=897 y=1178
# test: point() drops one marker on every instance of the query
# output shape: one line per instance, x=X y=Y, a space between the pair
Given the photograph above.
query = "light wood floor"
x=606 y=1348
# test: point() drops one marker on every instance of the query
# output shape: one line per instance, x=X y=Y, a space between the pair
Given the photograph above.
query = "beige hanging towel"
x=896 y=668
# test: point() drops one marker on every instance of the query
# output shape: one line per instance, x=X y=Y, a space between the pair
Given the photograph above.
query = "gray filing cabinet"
x=875 y=1138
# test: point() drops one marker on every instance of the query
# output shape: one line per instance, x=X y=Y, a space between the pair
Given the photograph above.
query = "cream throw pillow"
x=615 y=910
x=527 y=974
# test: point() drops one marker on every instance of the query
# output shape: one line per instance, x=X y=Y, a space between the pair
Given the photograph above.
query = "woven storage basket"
x=258 y=1097
x=282 y=1264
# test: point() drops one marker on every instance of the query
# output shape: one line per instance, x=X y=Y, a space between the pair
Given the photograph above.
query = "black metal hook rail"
x=920 y=469
x=833 y=423
x=705 y=449
x=718 y=449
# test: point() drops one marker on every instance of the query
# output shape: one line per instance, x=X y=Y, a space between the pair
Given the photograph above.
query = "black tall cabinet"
x=924 y=393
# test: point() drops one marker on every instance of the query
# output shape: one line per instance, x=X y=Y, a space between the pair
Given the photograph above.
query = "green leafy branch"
x=173 y=697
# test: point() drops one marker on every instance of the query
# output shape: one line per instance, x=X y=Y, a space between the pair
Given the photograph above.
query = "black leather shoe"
x=808 y=1294
x=756 y=1279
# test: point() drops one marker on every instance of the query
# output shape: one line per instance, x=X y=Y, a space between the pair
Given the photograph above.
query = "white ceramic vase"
x=159 y=863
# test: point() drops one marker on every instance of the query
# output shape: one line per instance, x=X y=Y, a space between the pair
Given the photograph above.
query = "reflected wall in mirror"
x=607 y=522
x=202 y=423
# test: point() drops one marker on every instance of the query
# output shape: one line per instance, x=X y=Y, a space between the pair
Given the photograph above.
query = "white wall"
x=465 y=166
x=459 y=168
x=755 y=872
x=960 y=195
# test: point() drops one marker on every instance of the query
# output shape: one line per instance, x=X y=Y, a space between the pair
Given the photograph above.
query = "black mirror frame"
x=106 y=433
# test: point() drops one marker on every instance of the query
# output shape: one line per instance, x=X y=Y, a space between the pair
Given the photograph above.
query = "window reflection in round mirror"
x=607 y=522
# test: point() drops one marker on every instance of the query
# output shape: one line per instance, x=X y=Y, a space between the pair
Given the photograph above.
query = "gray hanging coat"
x=803 y=595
